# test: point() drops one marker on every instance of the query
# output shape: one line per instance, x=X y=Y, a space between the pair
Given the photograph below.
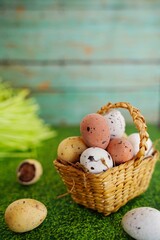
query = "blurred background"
x=75 y=56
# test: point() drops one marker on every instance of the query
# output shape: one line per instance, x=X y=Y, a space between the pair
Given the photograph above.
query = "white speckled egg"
x=96 y=160
x=150 y=148
x=134 y=139
x=116 y=123
x=142 y=223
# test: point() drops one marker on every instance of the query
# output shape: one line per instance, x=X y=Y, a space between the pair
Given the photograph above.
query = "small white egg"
x=142 y=223
x=96 y=160
x=150 y=148
x=134 y=139
x=116 y=123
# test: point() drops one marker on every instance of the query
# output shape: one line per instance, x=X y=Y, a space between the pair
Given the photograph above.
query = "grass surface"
x=66 y=219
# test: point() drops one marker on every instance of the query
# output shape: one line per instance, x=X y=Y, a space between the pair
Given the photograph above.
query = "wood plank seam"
x=62 y=62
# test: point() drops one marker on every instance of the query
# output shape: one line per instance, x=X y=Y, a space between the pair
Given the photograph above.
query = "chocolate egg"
x=95 y=131
x=120 y=149
x=96 y=160
x=29 y=171
x=116 y=123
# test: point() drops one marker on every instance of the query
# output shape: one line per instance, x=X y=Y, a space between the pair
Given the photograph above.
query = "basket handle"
x=138 y=120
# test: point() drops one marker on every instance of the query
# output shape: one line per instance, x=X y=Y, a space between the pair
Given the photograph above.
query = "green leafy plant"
x=21 y=128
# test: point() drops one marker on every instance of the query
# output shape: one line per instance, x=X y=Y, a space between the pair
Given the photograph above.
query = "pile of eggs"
x=103 y=143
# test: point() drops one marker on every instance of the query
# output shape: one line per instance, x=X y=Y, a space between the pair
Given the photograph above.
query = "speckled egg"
x=134 y=139
x=142 y=223
x=95 y=131
x=121 y=150
x=71 y=148
x=116 y=123
x=96 y=160
x=23 y=215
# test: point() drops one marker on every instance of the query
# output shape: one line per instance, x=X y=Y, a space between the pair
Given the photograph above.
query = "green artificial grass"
x=66 y=219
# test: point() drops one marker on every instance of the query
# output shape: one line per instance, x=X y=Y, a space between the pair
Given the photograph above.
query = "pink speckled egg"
x=95 y=131
x=121 y=150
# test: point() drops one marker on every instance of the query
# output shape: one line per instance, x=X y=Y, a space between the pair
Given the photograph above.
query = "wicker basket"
x=106 y=192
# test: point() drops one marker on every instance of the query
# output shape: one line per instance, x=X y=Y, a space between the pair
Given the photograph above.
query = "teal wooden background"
x=75 y=56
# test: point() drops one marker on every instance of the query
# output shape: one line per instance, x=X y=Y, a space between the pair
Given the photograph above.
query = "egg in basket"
x=104 y=168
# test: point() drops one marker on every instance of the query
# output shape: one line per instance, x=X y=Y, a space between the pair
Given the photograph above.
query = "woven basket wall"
x=106 y=192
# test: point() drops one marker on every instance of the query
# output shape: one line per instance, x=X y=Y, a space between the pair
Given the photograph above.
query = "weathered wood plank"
x=83 y=4
x=86 y=18
x=66 y=94
x=95 y=35
x=63 y=79
x=70 y=108
x=77 y=55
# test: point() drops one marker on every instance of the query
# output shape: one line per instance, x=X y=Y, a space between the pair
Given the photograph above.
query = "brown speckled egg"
x=121 y=150
x=70 y=149
x=95 y=131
